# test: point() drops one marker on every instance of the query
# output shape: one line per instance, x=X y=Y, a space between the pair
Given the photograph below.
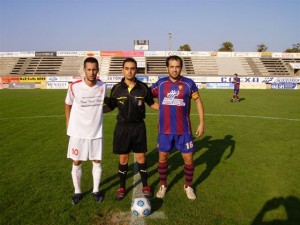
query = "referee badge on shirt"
x=140 y=102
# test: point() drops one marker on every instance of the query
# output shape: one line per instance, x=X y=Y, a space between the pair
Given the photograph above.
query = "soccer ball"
x=140 y=207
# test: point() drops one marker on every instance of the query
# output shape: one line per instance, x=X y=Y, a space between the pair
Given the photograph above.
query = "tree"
x=296 y=48
x=184 y=47
x=227 y=46
x=262 y=47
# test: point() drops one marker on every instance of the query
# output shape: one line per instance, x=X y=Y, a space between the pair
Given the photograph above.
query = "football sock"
x=163 y=173
x=122 y=174
x=97 y=172
x=76 y=177
x=188 y=174
x=143 y=173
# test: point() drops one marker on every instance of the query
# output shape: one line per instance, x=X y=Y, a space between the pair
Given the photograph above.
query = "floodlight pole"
x=170 y=41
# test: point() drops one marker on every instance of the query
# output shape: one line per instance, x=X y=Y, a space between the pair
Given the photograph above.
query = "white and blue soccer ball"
x=140 y=207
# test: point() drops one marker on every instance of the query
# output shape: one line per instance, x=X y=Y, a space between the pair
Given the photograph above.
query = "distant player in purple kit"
x=236 y=90
x=174 y=95
x=84 y=121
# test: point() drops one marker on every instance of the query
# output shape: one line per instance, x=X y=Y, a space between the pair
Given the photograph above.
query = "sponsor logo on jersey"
x=172 y=100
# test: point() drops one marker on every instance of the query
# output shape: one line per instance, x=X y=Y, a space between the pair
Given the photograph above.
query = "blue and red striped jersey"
x=236 y=82
x=174 y=100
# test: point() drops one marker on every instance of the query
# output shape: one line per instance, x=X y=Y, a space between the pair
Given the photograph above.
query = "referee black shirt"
x=131 y=104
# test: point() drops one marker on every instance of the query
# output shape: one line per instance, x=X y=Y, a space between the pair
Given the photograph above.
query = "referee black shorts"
x=130 y=138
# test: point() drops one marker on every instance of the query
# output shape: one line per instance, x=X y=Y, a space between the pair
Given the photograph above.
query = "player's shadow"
x=216 y=149
x=291 y=205
x=211 y=157
x=240 y=100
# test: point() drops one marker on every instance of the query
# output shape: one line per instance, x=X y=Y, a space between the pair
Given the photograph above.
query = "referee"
x=130 y=96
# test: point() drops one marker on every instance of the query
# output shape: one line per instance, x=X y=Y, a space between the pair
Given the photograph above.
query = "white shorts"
x=85 y=149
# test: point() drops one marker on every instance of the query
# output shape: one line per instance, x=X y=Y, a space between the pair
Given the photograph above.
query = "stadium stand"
x=290 y=68
x=7 y=64
x=152 y=65
x=71 y=66
x=104 y=65
x=157 y=66
x=37 y=66
x=276 y=66
x=205 y=66
x=257 y=67
x=189 y=66
x=228 y=65
x=115 y=66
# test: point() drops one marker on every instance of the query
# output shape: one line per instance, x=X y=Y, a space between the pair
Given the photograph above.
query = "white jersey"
x=86 y=118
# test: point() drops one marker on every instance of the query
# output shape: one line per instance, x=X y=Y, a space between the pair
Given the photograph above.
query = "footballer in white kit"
x=84 y=121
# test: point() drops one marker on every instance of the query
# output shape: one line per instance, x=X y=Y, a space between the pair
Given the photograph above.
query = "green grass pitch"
x=247 y=169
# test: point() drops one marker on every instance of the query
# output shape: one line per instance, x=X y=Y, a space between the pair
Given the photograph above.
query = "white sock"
x=76 y=177
x=97 y=172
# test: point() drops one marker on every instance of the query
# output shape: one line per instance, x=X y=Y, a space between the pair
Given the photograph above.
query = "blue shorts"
x=167 y=142
x=236 y=91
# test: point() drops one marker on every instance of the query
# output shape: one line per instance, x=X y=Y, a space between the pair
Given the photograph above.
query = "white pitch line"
x=249 y=116
x=30 y=117
x=192 y=114
x=136 y=193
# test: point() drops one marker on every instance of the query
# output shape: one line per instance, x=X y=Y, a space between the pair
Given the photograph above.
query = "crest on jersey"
x=180 y=87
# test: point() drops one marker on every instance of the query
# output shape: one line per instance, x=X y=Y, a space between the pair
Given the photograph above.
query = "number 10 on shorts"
x=75 y=151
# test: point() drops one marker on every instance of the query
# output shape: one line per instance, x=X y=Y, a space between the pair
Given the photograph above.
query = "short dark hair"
x=174 y=57
x=129 y=60
x=91 y=60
